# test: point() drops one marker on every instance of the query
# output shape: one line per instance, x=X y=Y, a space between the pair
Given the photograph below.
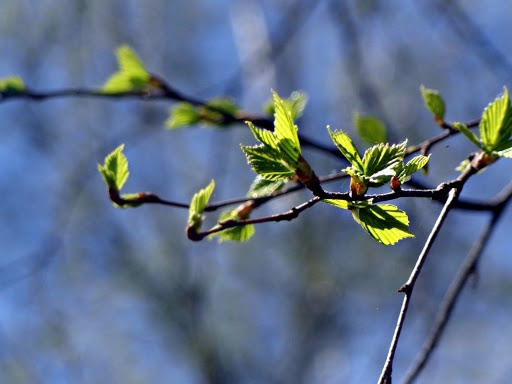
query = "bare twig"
x=408 y=287
x=466 y=270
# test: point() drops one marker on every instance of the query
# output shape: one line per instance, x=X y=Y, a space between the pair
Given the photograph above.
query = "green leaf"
x=12 y=84
x=285 y=132
x=223 y=104
x=131 y=76
x=381 y=161
x=182 y=114
x=352 y=171
x=262 y=187
x=345 y=204
x=115 y=169
x=216 y=110
x=413 y=166
x=462 y=128
x=496 y=123
x=370 y=129
x=266 y=137
x=295 y=104
x=238 y=234
x=505 y=152
x=278 y=157
x=213 y=113
x=384 y=222
x=264 y=162
x=434 y=102
x=347 y=148
x=463 y=165
x=198 y=204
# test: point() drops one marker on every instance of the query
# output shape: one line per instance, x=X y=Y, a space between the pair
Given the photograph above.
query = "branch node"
x=406 y=288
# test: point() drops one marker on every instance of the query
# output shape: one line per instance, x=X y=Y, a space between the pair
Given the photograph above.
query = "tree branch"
x=408 y=287
x=466 y=270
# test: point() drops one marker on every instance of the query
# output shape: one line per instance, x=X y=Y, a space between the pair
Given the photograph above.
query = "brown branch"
x=408 y=287
x=159 y=89
x=226 y=224
x=466 y=270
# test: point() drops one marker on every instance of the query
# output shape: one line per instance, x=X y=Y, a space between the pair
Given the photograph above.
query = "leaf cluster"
x=495 y=129
x=277 y=159
x=132 y=76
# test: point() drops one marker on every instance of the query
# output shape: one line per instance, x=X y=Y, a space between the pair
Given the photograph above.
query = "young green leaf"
x=496 y=123
x=345 y=204
x=266 y=162
x=463 y=165
x=370 y=129
x=262 y=187
x=131 y=76
x=434 y=102
x=266 y=137
x=219 y=106
x=279 y=156
x=384 y=222
x=381 y=161
x=198 y=204
x=507 y=152
x=212 y=114
x=115 y=169
x=468 y=133
x=239 y=233
x=285 y=132
x=347 y=148
x=12 y=84
x=295 y=104
x=413 y=166
x=182 y=115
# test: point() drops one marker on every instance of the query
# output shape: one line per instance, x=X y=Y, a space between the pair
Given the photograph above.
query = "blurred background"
x=94 y=294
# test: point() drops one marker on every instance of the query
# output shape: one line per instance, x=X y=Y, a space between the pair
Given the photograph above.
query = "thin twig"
x=408 y=287
x=455 y=190
x=466 y=270
x=223 y=225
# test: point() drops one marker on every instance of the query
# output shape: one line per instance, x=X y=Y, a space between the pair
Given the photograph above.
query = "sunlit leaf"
x=370 y=129
x=216 y=110
x=223 y=104
x=115 y=169
x=131 y=76
x=496 y=123
x=197 y=205
x=468 y=133
x=12 y=84
x=182 y=115
x=463 y=165
x=384 y=222
x=264 y=187
x=239 y=233
x=264 y=162
x=413 y=166
x=346 y=204
x=266 y=137
x=434 y=102
x=347 y=148
x=295 y=103
x=506 y=152
x=286 y=132
x=381 y=161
